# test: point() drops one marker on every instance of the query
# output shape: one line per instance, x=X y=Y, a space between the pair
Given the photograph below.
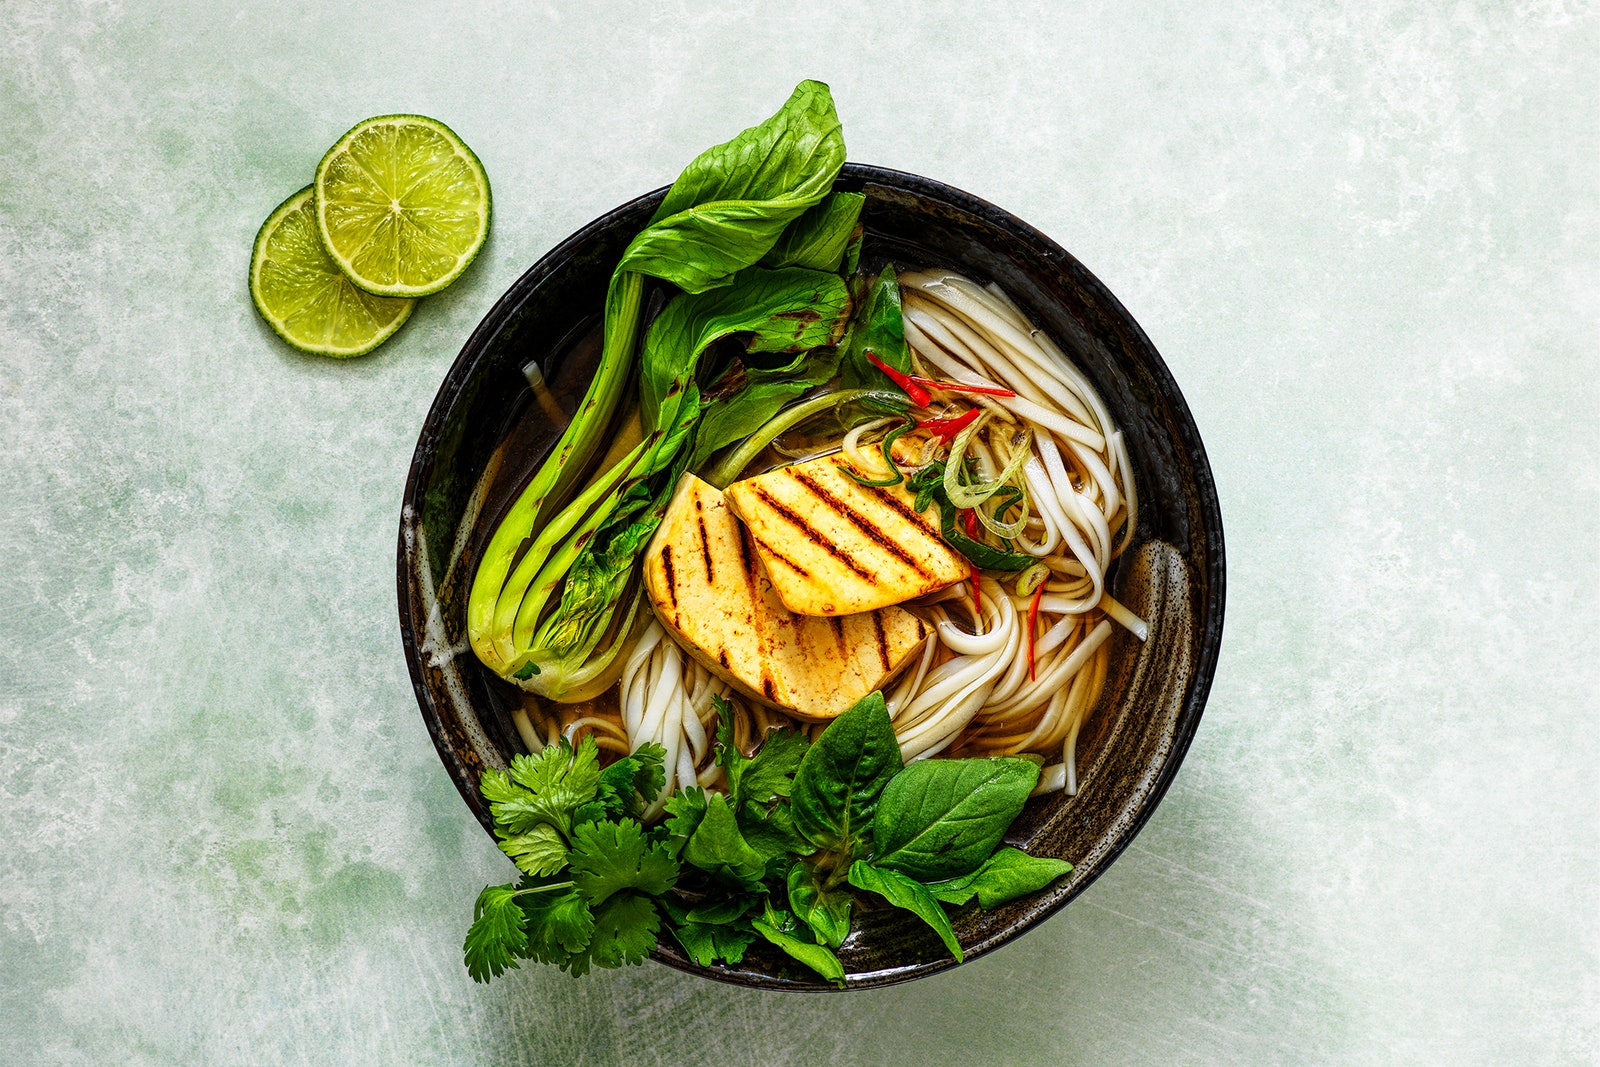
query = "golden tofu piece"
x=833 y=546
x=707 y=586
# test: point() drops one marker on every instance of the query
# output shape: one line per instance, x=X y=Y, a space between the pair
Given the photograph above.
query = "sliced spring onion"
x=1010 y=496
x=1031 y=579
x=970 y=496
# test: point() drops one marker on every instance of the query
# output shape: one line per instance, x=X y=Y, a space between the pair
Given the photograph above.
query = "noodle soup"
x=1159 y=554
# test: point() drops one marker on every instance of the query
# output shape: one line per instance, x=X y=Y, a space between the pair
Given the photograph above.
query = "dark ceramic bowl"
x=1173 y=577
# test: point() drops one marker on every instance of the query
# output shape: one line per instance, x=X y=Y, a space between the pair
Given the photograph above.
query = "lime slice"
x=304 y=295
x=402 y=205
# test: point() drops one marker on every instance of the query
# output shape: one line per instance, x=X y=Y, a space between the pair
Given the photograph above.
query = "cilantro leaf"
x=498 y=788
x=729 y=758
x=632 y=782
x=547 y=788
x=651 y=776
x=607 y=858
x=497 y=935
x=594 y=811
x=538 y=851
x=770 y=773
x=708 y=943
x=614 y=797
x=685 y=809
x=624 y=930
x=553 y=785
x=559 y=925
x=766 y=775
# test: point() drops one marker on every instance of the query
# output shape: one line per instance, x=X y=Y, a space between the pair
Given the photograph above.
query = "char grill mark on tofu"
x=748 y=565
x=868 y=528
x=766 y=548
x=705 y=542
x=672 y=578
x=915 y=518
x=813 y=535
x=883 y=640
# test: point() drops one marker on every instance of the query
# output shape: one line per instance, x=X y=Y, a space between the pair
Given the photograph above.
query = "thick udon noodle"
x=970 y=692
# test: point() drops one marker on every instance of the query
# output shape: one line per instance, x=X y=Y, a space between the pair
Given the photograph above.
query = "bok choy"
x=736 y=207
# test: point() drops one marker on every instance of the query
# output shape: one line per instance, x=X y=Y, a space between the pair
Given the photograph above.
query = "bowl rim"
x=1186 y=439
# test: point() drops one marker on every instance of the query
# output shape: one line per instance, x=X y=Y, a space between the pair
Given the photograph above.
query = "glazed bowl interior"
x=1172 y=576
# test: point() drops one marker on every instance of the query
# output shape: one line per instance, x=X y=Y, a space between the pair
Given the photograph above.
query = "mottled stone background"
x=1364 y=236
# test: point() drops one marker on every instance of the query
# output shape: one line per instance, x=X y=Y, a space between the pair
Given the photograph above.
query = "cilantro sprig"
x=781 y=856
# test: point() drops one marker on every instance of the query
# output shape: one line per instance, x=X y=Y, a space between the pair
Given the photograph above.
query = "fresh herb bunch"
x=778 y=857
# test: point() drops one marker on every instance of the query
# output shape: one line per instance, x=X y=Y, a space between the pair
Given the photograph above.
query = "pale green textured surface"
x=1365 y=239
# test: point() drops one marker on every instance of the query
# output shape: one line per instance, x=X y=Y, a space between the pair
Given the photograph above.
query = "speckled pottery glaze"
x=1173 y=576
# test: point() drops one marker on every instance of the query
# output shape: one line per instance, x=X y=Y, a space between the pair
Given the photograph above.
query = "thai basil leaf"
x=826 y=911
x=907 y=893
x=730 y=205
x=940 y=819
x=843 y=773
x=819 y=238
x=1008 y=874
x=728 y=909
x=781 y=929
x=882 y=331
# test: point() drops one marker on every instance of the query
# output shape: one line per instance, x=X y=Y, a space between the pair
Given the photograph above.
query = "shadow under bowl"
x=1172 y=576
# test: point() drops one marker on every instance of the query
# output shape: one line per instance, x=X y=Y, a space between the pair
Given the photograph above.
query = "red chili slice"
x=1033 y=626
x=908 y=385
x=960 y=387
x=946 y=429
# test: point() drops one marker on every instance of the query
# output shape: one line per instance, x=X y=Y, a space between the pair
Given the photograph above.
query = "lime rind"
x=402 y=205
x=304 y=296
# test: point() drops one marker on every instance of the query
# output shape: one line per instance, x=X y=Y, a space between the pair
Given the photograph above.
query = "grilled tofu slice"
x=707 y=586
x=833 y=546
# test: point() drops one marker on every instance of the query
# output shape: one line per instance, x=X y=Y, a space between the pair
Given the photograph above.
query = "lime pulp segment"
x=303 y=294
x=402 y=205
